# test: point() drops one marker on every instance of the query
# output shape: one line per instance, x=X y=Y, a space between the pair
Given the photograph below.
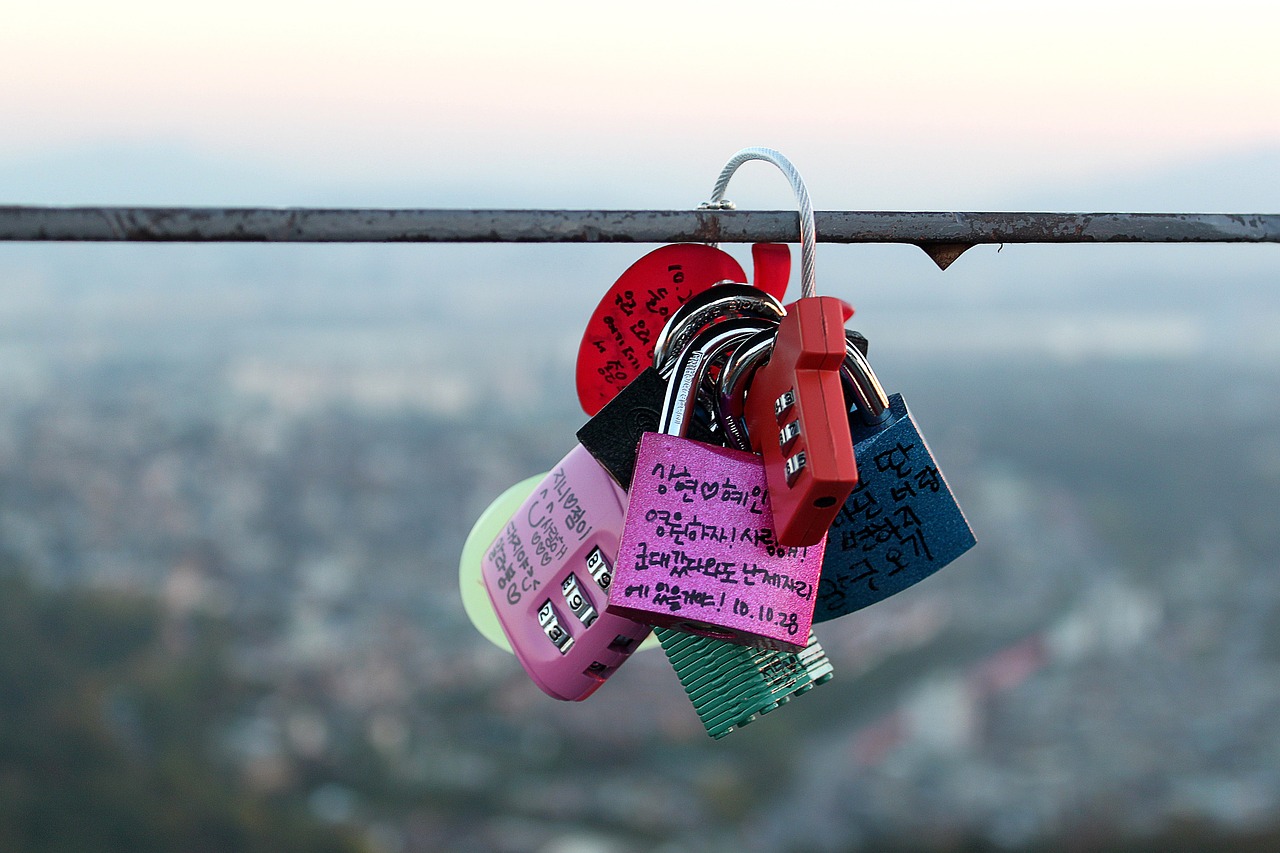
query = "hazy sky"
x=627 y=103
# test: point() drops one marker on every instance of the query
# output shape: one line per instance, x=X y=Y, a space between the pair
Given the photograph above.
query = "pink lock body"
x=548 y=573
x=699 y=553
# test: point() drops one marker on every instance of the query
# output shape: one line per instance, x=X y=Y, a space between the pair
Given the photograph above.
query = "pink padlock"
x=549 y=572
x=698 y=552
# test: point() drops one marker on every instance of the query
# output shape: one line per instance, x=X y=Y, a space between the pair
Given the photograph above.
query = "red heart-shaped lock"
x=618 y=342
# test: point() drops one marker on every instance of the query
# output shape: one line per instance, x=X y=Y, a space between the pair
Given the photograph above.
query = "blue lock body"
x=899 y=525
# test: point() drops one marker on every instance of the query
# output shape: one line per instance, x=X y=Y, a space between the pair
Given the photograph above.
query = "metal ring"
x=721 y=301
x=734 y=379
x=706 y=347
x=869 y=396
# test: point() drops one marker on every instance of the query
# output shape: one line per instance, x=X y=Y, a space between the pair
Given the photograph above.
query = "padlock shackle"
x=734 y=379
x=695 y=359
x=720 y=301
x=872 y=403
x=808 y=231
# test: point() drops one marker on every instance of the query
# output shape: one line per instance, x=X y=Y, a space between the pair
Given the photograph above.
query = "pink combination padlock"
x=549 y=572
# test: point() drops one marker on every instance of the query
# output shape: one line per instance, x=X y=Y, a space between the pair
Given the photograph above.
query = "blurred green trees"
x=109 y=723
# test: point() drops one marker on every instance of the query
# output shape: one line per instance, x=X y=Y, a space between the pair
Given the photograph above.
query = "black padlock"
x=613 y=433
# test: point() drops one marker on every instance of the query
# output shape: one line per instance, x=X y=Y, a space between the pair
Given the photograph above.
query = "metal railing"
x=943 y=235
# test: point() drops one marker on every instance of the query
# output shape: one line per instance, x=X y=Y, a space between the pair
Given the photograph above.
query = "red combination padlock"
x=798 y=421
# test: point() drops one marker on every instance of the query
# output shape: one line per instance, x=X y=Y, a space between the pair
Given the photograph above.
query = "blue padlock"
x=901 y=523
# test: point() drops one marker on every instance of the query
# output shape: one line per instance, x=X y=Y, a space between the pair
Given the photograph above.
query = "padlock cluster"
x=743 y=477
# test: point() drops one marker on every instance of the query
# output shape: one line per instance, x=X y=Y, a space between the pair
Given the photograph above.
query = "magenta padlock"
x=549 y=573
x=698 y=551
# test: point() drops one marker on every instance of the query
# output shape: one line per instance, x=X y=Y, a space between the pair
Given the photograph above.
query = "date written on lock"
x=699 y=553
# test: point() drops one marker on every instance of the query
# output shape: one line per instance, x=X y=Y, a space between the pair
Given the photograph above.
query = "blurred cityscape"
x=300 y=464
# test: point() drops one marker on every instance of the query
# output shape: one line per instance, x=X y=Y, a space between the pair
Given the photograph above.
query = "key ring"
x=808 y=231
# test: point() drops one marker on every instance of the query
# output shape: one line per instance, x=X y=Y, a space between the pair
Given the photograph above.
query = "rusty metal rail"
x=332 y=225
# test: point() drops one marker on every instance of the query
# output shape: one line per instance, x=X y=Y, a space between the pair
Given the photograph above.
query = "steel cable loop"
x=808 y=231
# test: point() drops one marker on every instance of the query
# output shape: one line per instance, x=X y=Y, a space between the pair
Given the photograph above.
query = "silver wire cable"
x=808 y=232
